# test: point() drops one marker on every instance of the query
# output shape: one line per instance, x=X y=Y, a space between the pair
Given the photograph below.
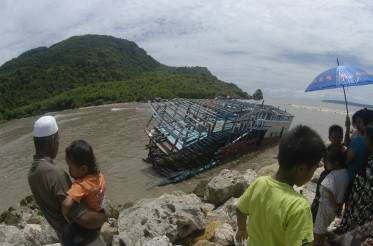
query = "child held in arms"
x=335 y=138
x=88 y=187
x=330 y=192
x=278 y=215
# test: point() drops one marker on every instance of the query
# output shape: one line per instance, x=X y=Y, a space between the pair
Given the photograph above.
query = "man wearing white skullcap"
x=45 y=126
x=49 y=183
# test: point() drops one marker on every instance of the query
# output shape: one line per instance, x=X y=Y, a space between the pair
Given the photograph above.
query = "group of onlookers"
x=271 y=213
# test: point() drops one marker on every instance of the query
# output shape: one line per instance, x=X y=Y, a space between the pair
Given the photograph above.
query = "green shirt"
x=278 y=216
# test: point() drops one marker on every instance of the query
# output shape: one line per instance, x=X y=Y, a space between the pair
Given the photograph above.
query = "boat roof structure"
x=185 y=121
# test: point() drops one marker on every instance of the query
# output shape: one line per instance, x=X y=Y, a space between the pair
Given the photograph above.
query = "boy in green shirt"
x=278 y=215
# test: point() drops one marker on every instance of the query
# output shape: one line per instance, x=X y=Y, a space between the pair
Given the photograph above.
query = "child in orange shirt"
x=88 y=187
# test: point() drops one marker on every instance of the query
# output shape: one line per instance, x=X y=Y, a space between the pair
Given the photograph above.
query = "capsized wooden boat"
x=189 y=136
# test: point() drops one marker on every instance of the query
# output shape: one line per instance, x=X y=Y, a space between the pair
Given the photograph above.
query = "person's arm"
x=243 y=210
x=86 y=217
x=82 y=215
x=67 y=204
x=241 y=234
x=91 y=219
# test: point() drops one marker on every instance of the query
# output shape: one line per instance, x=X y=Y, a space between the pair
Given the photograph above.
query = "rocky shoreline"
x=205 y=217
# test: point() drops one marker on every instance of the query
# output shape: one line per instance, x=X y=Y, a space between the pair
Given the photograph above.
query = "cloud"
x=275 y=45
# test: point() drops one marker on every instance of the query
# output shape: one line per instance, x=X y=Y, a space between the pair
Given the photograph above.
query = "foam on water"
x=119 y=109
x=320 y=109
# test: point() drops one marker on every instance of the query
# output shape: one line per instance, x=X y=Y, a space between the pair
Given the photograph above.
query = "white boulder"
x=32 y=234
x=174 y=215
x=158 y=241
x=229 y=183
x=11 y=235
x=224 y=235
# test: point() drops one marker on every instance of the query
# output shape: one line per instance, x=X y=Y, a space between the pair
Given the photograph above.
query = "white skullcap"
x=45 y=126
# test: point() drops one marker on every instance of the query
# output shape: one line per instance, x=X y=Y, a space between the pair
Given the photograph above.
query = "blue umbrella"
x=340 y=76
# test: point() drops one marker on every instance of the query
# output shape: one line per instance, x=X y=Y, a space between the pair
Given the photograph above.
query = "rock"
x=229 y=183
x=48 y=234
x=11 y=217
x=229 y=209
x=111 y=210
x=113 y=222
x=32 y=234
x=54 y=244
x=209 y=232
x=116 y=241
x=174 y=215
x=8 y=244
x=250 y=175
x=29 y=202
x=205 y=243
x=306 y=192
x=224 y=235
x=158 y=241
x=33 y=219
x=207 y=208
x=108 y=232
x=127 y=205
x=217 y=215
x=200 y=189
x=11 y=234
x=268 y=170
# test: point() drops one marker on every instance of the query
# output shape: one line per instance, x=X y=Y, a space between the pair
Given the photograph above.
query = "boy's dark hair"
x=362 y=114
x=336 y=128
x=369 y=133
x=81 y=153
x=300 y=145
x=335 y=153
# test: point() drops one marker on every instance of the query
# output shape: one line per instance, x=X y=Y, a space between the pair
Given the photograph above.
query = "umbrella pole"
x=344 y=92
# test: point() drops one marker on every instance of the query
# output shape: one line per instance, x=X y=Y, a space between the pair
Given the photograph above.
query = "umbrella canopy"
x=341 y=76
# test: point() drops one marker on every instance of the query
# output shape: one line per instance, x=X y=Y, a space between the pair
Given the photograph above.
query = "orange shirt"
x=91 y=189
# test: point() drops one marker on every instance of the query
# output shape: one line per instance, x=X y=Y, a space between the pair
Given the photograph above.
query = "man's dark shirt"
x=49 y=184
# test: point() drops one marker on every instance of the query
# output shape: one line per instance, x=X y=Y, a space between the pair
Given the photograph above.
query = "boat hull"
x=192 y=150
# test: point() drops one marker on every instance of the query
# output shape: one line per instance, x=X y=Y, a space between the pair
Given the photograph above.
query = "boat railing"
x=185 y=121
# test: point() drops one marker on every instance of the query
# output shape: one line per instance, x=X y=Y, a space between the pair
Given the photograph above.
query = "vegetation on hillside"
x=258 y=95
x=93 y=69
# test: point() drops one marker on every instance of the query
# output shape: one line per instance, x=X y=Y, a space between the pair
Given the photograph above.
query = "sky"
x=276 y=45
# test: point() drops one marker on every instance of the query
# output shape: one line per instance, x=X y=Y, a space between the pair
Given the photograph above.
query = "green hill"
x=94 y=69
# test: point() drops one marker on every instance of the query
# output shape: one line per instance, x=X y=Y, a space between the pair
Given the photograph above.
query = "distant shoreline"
x=349 y=103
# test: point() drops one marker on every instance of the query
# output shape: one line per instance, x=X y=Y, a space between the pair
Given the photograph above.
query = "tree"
x=258 y=95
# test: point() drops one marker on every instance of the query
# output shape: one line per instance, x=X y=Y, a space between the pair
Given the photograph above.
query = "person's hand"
x=65 y=213
x=348 y=122
x=241 y=235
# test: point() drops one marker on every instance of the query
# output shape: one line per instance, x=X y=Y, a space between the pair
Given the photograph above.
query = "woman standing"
x=358 y=216
x=360 y=200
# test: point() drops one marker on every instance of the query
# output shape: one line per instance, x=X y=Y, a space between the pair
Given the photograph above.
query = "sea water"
x=117 y=135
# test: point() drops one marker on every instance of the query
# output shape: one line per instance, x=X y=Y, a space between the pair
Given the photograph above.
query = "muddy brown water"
x=117 y=135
